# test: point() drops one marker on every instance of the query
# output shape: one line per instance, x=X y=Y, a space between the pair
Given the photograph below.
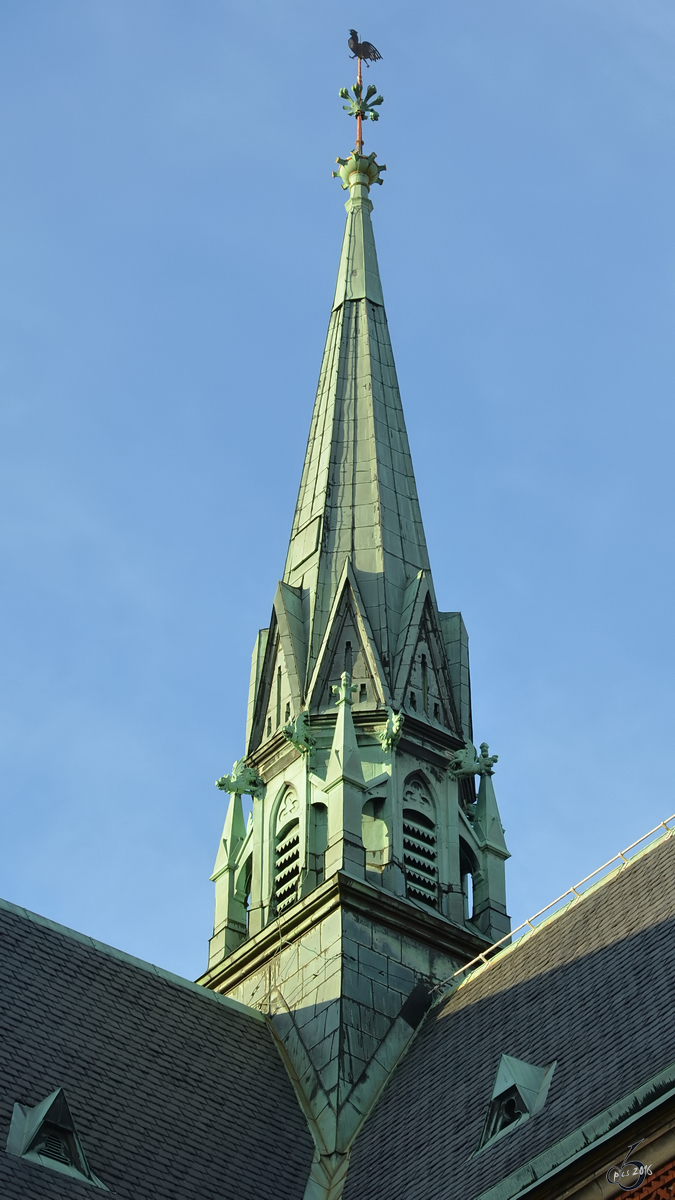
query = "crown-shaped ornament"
x=359 y=168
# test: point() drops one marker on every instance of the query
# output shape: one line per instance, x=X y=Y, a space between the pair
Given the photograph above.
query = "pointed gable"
x=348 y=645
x=423 y=684
x=288 y=611
x=277 y=695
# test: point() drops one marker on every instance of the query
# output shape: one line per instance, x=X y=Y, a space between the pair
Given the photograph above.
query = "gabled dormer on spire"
x=371 y=868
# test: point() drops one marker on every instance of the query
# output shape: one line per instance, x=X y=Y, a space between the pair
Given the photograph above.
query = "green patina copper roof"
x=358 y=275
x=358 y=498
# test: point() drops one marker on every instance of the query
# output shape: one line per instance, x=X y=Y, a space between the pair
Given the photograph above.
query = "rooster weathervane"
x=362 y=107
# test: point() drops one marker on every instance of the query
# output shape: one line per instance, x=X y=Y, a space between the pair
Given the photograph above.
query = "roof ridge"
x=113 y=952
x=527 y=928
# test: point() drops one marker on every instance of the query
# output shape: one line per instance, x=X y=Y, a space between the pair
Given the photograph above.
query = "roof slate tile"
x=173 y=1094
x=592 y=989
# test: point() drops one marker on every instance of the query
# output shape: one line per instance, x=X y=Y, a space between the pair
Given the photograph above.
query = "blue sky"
x=170 y=237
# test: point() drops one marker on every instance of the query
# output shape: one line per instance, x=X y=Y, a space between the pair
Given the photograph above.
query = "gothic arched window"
x=319 y=841
x=287 y=852
x=243 y=886
x=419 y=843
x=468 y=866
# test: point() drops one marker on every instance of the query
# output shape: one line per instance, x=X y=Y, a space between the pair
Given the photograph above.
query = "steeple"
x=370 y=869
x=357 y=501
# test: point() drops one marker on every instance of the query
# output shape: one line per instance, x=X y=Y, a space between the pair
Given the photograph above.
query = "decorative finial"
x=345 y=689
x=361 y=107
x=358 y=172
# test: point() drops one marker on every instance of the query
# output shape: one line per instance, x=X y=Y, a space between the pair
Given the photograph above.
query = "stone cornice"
x=356 y=896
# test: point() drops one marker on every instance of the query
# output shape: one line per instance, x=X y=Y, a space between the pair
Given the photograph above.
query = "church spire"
x=370 y=868
x=357 y=501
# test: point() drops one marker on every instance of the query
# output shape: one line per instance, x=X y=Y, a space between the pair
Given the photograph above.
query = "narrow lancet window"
x=348 y=657
x=468 y=865
x=319 y=841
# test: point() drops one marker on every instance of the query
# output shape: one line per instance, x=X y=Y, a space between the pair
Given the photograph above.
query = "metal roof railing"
x=573 y=893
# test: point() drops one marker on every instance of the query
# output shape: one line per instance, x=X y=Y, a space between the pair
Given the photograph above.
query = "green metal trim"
x=103 y=948
x=358 y=273
x=576 y=898
x=611 y=1121
x=362 y=106
x=532 y=1083
x=26 y=1125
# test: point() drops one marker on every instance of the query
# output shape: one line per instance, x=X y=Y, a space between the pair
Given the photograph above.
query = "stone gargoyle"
x=297 y=733
x=243 y=779
x=466 y=762
x=391 y=733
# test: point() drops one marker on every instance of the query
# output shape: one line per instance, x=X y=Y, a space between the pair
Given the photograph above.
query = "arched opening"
x=319 y=841
x=243 y=886
x=419 y=843
x=468 y=865
x=287 y=852
x=374 y=835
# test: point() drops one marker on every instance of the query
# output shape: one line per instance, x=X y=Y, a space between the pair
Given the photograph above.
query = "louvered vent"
x=287 y=867
x=56 y=1146
x=419 y=857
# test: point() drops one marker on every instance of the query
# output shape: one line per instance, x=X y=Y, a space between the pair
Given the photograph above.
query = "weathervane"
x=362 y=107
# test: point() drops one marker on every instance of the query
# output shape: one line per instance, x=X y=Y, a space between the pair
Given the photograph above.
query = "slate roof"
x=592 y=989
x=176 y=1093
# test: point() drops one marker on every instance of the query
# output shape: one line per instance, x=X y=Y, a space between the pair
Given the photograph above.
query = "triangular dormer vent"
x=46 y=1135
x=55 y=1145
x=520 y=1090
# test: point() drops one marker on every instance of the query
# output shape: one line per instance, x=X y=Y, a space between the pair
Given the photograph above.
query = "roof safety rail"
x=623 y=858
